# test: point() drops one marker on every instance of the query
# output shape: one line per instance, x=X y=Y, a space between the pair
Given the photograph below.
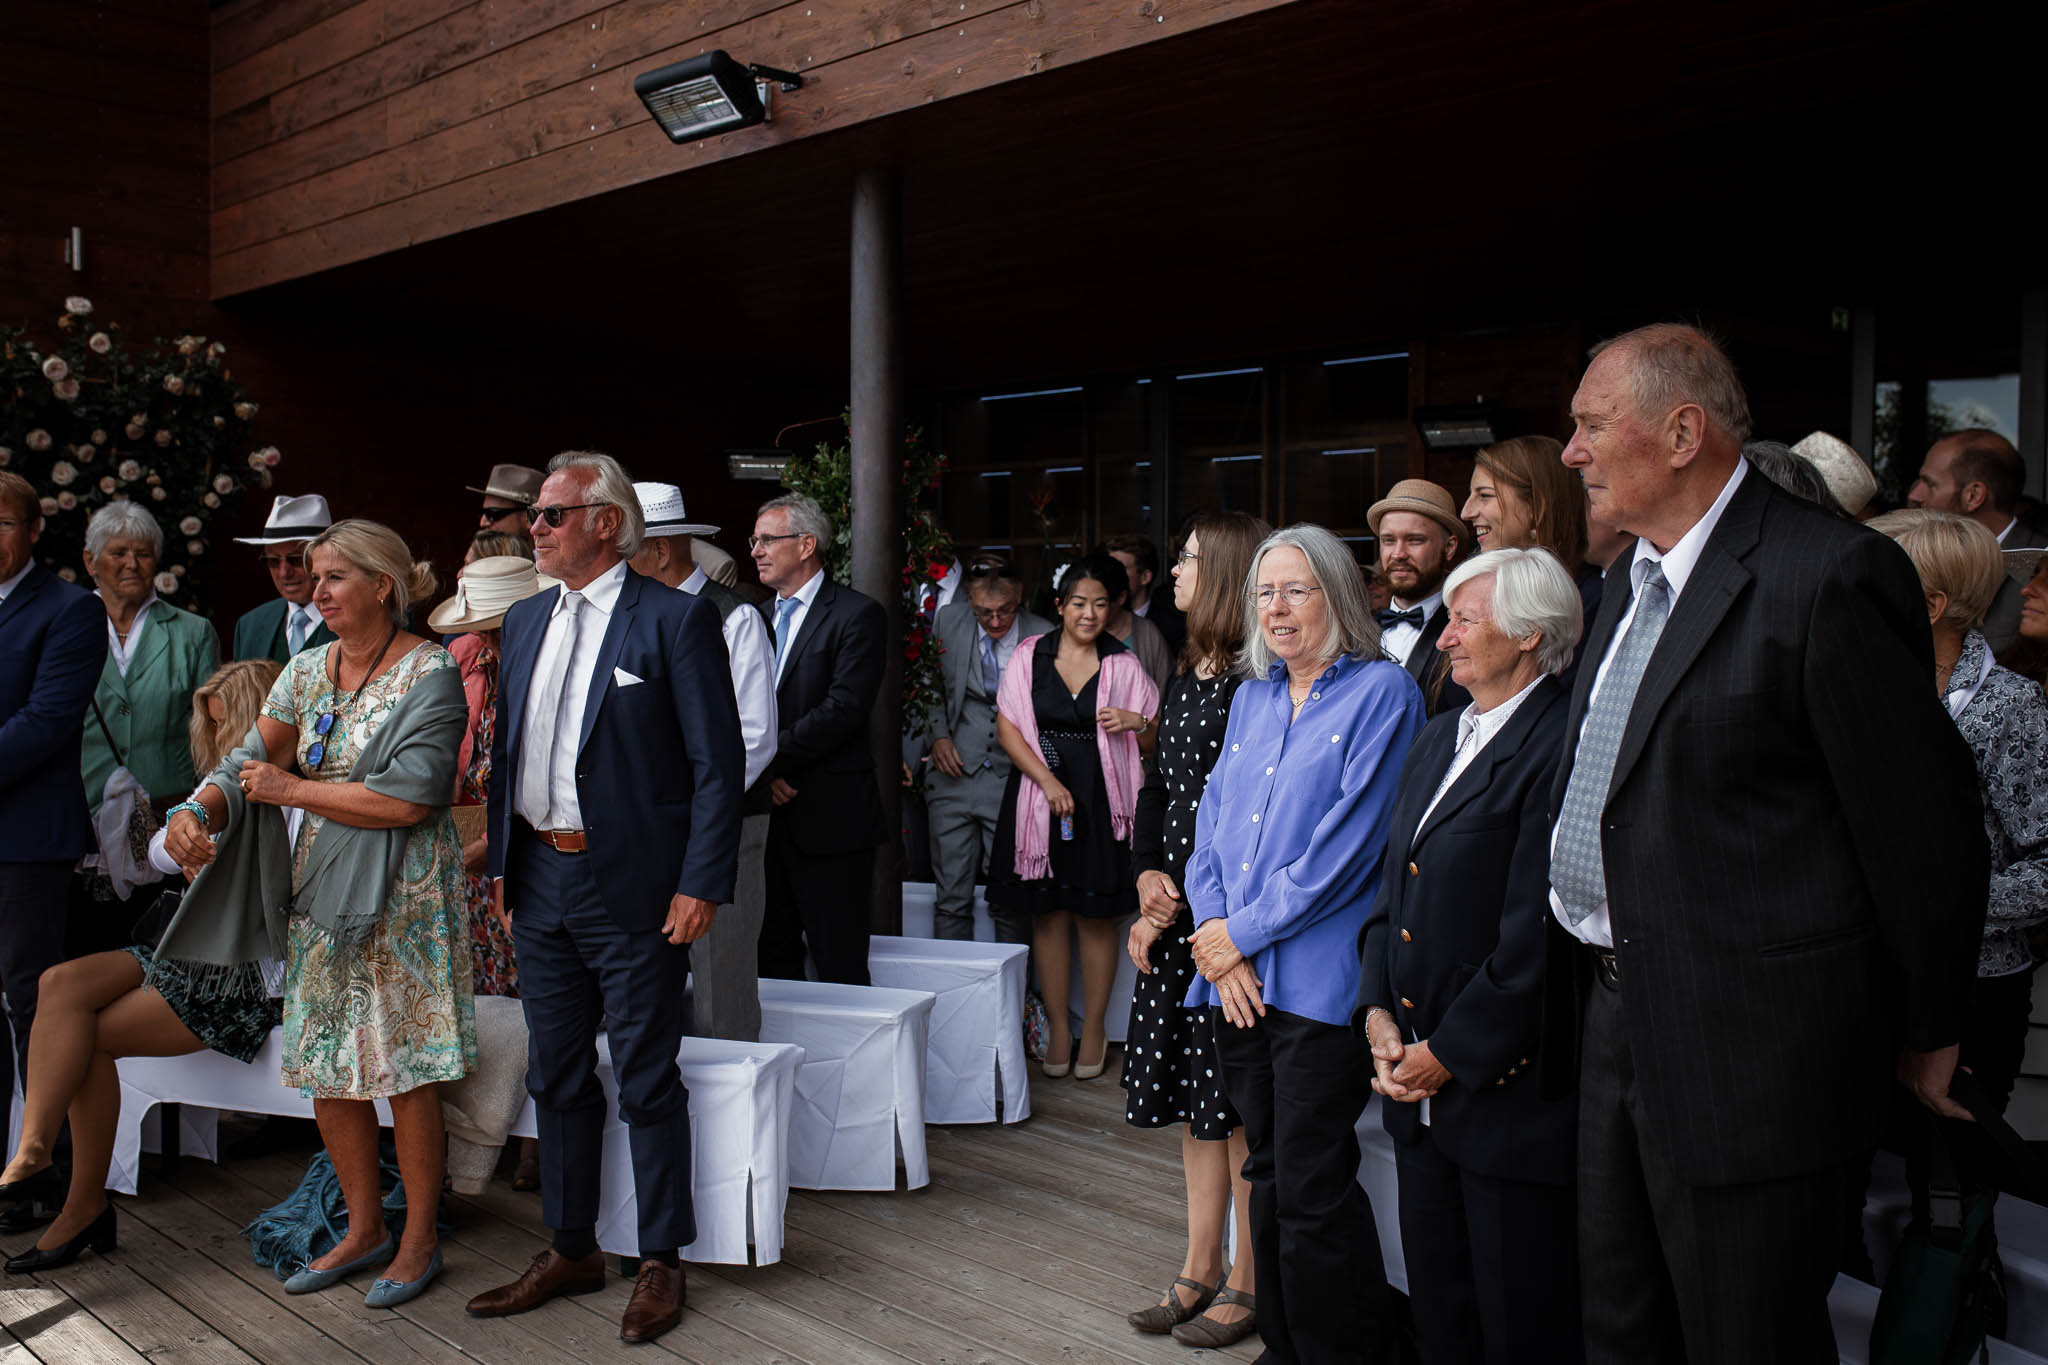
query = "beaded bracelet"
x=193 y=806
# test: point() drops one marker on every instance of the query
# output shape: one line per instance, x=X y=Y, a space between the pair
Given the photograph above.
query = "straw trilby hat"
x=290 y=519
x=662 y=505
x=1419 y=495
x=514 y=483
x=1841 y=469
x=486 y=589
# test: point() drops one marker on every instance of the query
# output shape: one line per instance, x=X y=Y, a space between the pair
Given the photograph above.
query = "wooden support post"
x=877 y=491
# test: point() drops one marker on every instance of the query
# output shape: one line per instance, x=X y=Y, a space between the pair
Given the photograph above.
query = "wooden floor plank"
x=150 y=1321
x=59 y=1330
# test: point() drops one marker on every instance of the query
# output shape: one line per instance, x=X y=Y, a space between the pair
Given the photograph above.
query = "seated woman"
x=1073 y=712
x=95 y=1010
x=1451 y=991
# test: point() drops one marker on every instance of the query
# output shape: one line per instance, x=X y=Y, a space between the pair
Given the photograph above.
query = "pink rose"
x=66 y=389
x=38 y=439
x=211 y=499
x=158 y=494
x=62 y=473
x=55 y=369
x=49 y=507
x=195 y=547
x=133 y=431
x=67 y=500
x=106 y=483
x=272 y=456
x=131 y=470
x=100 y=343
x=223 y=483
x=99 y=437
x=174 y=383
x=163 y=436
x=256 y=460
x=190 y=526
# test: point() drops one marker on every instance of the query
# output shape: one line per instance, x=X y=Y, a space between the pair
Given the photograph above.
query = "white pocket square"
x=625 y=679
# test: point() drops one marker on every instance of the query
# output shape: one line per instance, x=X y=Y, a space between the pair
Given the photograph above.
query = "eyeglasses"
x=322 y=726
x=282 y=561
x=553 y=515
x=756 y=542
x=994 y=613
x=1294 y=594
x=500 y=513
x=1185 y=556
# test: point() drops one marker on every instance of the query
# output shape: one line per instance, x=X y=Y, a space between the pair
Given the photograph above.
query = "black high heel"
x=98 y=1234
x=41 y=1185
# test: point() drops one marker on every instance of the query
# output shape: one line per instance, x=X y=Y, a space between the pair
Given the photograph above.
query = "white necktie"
x=572 y=604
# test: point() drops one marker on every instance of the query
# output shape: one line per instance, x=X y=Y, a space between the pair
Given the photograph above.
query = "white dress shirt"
x=558 y=806
x=302 y=611
x=2008 y=530
x=751 y=650
x=7 y=588
x=1678 y=565
x=122 y=647
x=805 y=595
x=1399 y=639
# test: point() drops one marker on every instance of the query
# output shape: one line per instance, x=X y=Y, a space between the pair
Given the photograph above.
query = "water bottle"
x=1067 y=826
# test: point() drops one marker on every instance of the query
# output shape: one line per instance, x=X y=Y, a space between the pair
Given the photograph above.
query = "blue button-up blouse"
x=1293 y=825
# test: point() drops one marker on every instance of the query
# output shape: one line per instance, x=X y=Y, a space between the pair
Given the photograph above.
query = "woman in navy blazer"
x=1451 y=989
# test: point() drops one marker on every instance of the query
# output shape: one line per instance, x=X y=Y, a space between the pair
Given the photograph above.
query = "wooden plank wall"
x=104 y=103
x=343 y=129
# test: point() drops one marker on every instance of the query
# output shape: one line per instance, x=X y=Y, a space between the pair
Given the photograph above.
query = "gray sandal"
x=1162 y=1318
x=1204 y=1331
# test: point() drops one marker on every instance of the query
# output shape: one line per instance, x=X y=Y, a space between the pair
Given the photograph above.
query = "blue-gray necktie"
x=991 y=676
x=295 y=634
x=1577 y=868
x=784 y=609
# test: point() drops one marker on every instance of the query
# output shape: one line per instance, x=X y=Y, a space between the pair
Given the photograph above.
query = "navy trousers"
x=578 y=970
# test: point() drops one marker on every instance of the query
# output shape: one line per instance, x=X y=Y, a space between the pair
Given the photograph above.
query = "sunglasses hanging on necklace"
x=323 y=725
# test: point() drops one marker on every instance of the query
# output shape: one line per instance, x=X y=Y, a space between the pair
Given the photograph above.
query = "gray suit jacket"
x=959 y=652
x=2002 y=623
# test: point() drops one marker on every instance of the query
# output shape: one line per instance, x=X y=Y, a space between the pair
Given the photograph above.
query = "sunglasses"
x=553 y=515
x=323 y=725
x=280 y=561
x=500 y=513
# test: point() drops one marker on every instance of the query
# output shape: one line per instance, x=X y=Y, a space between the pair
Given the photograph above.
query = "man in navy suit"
x=617 y=786
x=53 y=644
x=827 y=815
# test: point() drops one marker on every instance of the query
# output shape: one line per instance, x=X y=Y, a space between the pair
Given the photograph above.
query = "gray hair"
x=1671 y=364
x=1532 y=595
x=1800 y=477
x=806 y=518
x=122 y=518
x=1352 y=629
x=610 y=486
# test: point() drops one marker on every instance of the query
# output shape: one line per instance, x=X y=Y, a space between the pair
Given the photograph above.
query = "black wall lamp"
x=709 y=94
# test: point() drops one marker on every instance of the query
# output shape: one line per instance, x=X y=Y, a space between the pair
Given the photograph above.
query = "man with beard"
x=1420 y=538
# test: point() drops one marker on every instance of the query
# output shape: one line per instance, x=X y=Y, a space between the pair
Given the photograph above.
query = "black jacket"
x=825 y=705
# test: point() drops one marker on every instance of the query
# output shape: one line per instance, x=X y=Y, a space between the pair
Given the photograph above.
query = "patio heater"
x=710 y=94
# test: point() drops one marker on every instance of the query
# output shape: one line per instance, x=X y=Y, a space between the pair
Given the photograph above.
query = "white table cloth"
x=977 y=1033
x=740 y=1100
x=860 y=1091
x=919 y=898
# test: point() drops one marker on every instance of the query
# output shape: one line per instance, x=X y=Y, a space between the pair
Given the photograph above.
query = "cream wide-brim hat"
x=486 y=590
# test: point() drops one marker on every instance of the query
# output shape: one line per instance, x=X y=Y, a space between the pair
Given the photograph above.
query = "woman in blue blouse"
x=1288 y=841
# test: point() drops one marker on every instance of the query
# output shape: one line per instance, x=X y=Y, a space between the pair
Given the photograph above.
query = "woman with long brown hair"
x=1170 y=1067
x=1523 y=497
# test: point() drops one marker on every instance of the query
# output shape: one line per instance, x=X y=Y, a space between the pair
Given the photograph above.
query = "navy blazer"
x=660 y=767
x=825 y=703
x=1426 y=664
x=1455 y=944
x=53 y=644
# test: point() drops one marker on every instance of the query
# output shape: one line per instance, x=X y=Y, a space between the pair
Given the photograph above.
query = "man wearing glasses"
x=288 y=622
x=968 y=766
x=511 y=489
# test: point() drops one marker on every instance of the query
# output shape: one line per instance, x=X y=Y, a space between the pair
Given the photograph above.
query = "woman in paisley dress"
x=95 y=1010
x=1170 y=1068
x=377 y=1001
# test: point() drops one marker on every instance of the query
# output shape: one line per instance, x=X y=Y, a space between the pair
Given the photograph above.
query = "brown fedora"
x=513 y=483
x=1419 y=495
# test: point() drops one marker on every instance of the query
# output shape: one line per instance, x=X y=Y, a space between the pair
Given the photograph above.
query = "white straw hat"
x=662 y=505
x=290 y=519
x=1841 y=468
x=485 y=590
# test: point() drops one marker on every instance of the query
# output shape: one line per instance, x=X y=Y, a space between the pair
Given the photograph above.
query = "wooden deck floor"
x=1030 y=1244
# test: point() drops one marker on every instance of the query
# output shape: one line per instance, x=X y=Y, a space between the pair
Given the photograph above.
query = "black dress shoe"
x=98 y=1234
x=44 y=1184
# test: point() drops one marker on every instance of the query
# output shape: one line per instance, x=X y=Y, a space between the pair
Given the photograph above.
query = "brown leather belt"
x=1606 y=967
x=561 y=840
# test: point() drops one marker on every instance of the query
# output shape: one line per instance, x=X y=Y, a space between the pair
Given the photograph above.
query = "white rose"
x=106 y=483
x=216 y=349
x=55 y=369
x=195 y=547
x=256 y=460
x=49 y=506
x=163 y=436
x=67 y=500
x=211 y=499
x=152 y=480
x=99 y=437
x=174 y=383
x=79 y=304
x=187 y=345
x=178 y=569
x=131 y=470
x=220 y=423
x=223 y=483
x=62 y=473
x=190 y=526
x=167 y=582
x=100 y=342
x=245 y=410
x=158 y=494
x=39 y=439
x=272 y=455
x=66 y=389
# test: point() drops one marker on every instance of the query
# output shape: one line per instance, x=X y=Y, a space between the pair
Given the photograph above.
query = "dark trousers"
x=817 y=901
x=1299 y=1085
x=578 y=970
x=1691 y=1274
x=32 y=903
x=1493 y=1264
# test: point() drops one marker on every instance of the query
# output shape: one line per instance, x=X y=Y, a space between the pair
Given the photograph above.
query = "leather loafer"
x=549 y=1275
x=656 y=1305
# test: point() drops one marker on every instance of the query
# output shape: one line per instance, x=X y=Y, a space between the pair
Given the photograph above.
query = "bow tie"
x=1389 y=617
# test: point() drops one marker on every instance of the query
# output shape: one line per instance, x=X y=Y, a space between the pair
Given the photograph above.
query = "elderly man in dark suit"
x=288 y=622
x=53 y=644
x=617 y=785
x=1451 y=995
x=1760 y=921
x=977 y=634
x=827 y=815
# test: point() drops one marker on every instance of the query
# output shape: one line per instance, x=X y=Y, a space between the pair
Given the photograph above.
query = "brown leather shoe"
x=548 y=1276
x=657 y=1302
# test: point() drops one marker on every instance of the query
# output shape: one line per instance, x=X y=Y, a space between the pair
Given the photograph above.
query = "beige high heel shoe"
x=1055 y=1070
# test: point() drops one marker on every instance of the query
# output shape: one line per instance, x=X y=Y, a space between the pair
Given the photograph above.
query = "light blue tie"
x=991 y=676
x=784 y=609
x=295 y=633
x=1578 y=870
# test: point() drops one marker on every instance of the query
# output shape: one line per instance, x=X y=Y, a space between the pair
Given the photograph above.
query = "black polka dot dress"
x=1171 y=1073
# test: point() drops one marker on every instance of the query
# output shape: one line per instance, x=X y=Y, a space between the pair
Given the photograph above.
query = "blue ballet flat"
x=391 y=1293
x=310 y=1281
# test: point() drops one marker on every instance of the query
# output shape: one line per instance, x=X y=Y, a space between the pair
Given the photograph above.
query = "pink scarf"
x=1124 y=684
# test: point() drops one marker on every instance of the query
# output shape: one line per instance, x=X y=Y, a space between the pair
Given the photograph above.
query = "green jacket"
x=149 y=712
x=260 y=633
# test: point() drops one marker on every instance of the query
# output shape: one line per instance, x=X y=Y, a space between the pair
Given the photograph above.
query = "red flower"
x=939 y=568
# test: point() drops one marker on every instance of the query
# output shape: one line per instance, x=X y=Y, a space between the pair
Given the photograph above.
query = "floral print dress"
x=394 y=1012
x=490 y=947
